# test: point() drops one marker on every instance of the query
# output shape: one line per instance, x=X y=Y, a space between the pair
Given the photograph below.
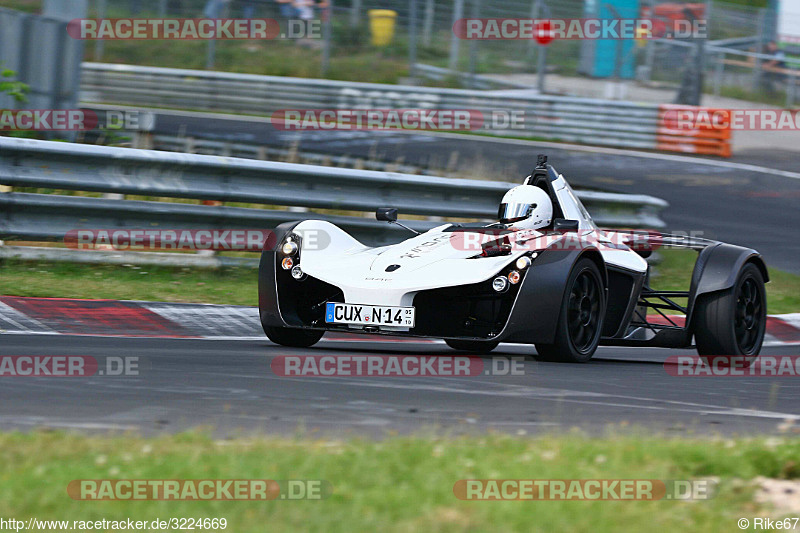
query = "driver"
x=526 y=207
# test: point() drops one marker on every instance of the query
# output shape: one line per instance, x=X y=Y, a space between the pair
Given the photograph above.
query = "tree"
x=16 y=89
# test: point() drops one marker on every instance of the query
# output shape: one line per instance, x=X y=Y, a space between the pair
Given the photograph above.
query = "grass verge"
x=238 y=286
x=232 y=286
x=674 y=273
x=396 y=484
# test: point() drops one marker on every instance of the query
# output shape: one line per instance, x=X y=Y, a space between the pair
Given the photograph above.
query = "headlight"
x=287 y=263
x=523 y=262
x=289 y=248
x=514 y=277
x=500 y=284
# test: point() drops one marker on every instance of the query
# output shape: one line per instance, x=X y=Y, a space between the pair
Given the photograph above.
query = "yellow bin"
x=381 y=25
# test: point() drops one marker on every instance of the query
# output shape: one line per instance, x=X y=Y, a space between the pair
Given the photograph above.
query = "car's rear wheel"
x=733 y=322
x=581 y=318
x=472 y=346
x=293 y=337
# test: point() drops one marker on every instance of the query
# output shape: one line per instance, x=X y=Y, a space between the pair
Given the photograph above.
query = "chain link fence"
x=424 y=49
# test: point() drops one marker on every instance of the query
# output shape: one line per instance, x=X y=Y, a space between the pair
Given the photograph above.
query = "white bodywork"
x=431 y=260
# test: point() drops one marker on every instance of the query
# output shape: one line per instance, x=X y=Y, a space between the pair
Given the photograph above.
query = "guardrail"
x=75 y=167
x=584 y=120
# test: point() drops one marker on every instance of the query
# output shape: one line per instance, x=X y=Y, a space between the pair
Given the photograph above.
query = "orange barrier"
x=694 y=130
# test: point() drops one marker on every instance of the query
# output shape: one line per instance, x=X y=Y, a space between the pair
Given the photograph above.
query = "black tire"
x=472 y=346
x=580 y=320
x=733 y=322
x=292 y=337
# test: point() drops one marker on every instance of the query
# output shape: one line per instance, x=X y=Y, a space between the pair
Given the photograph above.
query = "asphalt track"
x=228 y=386
x=727 y=200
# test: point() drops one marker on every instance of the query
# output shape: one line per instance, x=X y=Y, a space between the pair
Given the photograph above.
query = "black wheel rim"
x=749 y=316
x=583 y=311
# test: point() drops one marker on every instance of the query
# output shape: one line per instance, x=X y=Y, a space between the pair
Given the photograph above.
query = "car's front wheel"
x=581 y=318
x=293 y=337
x=472 y=346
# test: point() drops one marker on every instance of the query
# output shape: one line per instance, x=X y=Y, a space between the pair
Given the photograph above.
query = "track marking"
x=560 y=395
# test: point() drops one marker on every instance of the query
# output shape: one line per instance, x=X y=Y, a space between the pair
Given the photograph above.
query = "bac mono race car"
x=543 y=274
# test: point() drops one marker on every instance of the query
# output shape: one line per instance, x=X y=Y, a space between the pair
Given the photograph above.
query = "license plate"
x=369 y=315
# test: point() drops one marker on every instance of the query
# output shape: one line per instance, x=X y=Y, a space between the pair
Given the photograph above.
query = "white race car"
x=544 y=274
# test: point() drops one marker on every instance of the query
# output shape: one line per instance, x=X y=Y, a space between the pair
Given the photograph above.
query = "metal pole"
x=541 y=58
x=541 y=66
x=792 y=87
x=427 y=27
x=701 y=70
x=326 y=47
x=617 y=48
x=718 y=72
x=534 y=15
x=211 y=53
x=99 y=44
x=455 y=42
x=650 y=48
x=756 y=81
x=473 y=45
x=162 y=8
x=412 y=42
x=355 y=13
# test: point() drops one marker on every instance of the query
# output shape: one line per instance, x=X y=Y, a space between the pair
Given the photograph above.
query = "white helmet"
x=527 y=207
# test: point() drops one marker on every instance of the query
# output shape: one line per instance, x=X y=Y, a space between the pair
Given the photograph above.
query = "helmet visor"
x=514 y=212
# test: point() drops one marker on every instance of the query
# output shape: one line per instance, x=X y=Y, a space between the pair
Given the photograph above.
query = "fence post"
x=532 y=42
x=355 y=13
x=541 y=57
x=99 y=44
x=455 y=42
x=756 y=80
x=427 y=27
x=412 y=43
x=791 y=88
x=328 y=37
x=473 y=45
x=719 y=72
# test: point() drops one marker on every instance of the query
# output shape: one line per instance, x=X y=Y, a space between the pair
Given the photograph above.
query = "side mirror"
x=564 y=224
x=386 y=214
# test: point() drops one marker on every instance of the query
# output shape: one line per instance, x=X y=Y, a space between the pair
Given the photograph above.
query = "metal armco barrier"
x=76 y=167
x=584 y=120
